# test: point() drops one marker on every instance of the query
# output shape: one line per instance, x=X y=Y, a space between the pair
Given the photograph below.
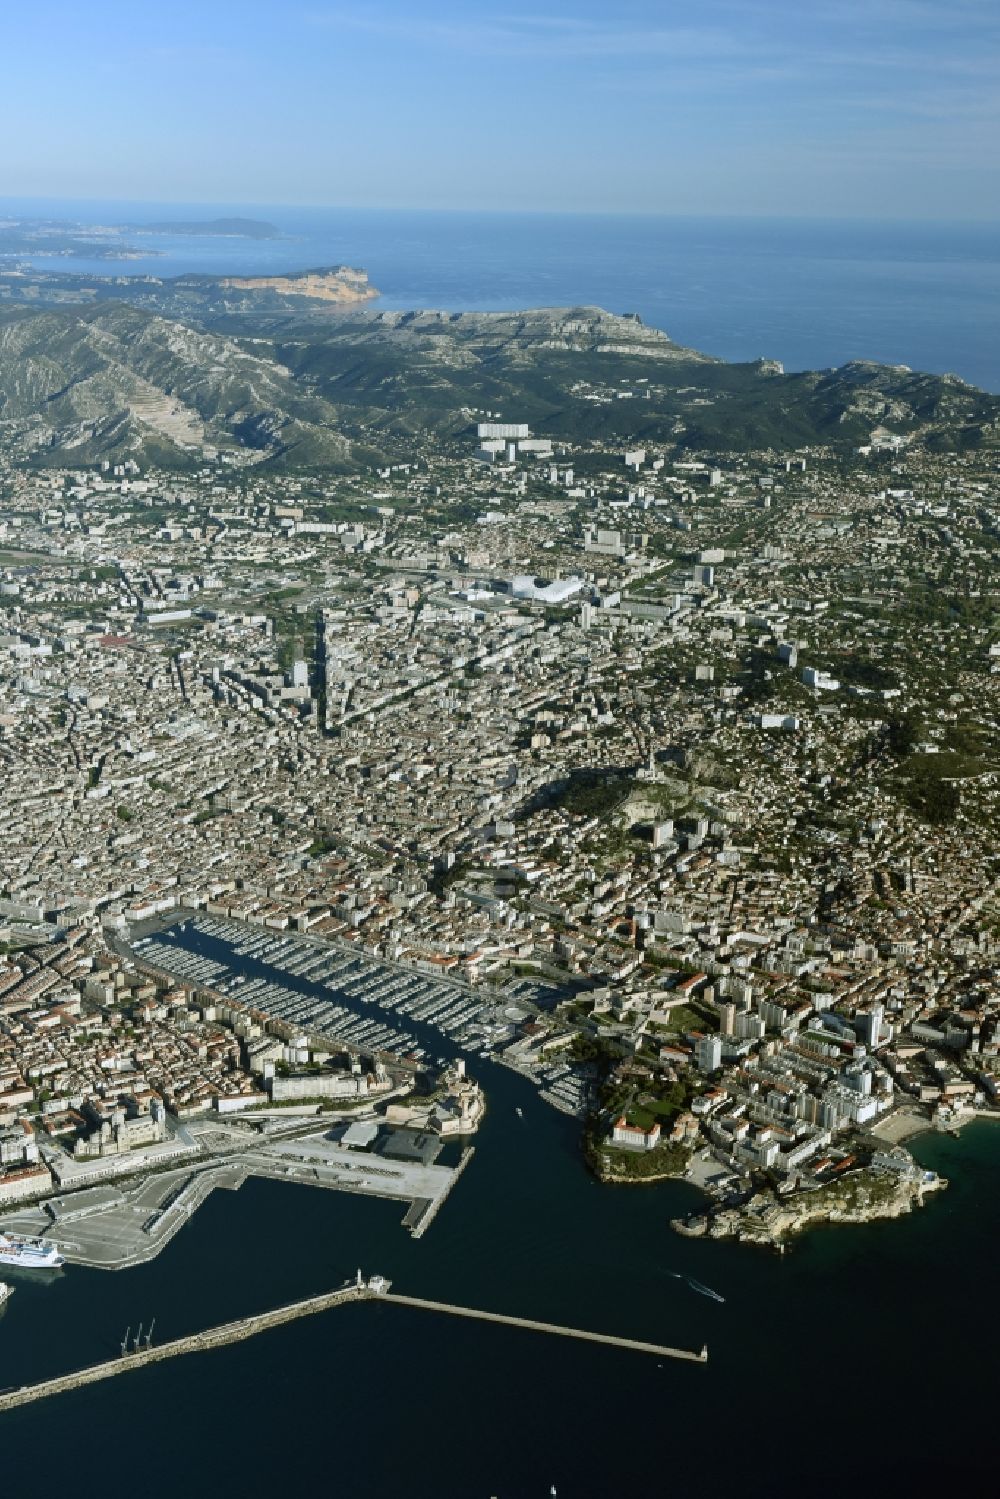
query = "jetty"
x=634 y=1344
x=200 y=1342
x=376 y=1288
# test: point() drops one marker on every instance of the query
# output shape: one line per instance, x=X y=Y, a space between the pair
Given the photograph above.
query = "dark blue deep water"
x=812 y=293
x=863 y=1357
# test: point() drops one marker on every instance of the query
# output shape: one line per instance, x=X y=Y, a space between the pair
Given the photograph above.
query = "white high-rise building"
x=868 y=1023
x=506 y=430
x=708 y=1053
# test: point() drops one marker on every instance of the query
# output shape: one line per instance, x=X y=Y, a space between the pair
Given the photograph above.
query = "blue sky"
x=887 y=108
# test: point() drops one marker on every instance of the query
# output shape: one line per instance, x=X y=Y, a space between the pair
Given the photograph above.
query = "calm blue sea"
x=811 y=293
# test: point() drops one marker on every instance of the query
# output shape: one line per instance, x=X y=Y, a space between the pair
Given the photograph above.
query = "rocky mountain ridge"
x=313 y=390
x=118 y=381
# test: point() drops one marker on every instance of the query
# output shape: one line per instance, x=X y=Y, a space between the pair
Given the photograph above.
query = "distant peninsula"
x=195 y=296
x=227 y=228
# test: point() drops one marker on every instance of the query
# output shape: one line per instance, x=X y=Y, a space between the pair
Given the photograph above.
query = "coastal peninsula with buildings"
x=633 y=726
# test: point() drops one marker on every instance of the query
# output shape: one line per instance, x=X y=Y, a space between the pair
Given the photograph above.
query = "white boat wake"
x=696 y=1285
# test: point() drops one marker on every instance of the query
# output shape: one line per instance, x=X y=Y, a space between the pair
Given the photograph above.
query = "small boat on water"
x=519 y=1113
x=696 y=1285
x=6 y=1291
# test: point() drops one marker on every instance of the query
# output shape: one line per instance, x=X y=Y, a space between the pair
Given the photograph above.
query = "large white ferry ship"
x=29 y=1254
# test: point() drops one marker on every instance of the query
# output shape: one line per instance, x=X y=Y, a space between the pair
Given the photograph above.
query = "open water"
x=863 y=1358
x=812 y=293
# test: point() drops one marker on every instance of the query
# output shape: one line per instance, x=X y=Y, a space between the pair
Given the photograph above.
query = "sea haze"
x=812 y=293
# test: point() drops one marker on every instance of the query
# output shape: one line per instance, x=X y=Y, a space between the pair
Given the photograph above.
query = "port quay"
x=360 y=1289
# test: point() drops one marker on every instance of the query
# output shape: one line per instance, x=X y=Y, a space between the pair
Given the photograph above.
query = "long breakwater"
x=248 y=1327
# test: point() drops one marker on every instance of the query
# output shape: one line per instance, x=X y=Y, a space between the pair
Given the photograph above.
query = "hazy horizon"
x=213 y=207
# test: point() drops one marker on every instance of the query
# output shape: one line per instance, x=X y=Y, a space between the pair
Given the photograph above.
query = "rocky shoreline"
x=863 y=1197
x=628 y=1168
x=620 y=1179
